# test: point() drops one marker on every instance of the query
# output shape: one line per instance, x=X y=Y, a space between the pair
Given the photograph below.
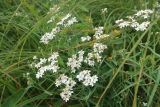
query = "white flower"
x=94 y=79
x=133 y=20
x=134 y=24
x=69 y=84
x=144 y=13
x=119 y=21
x=104 y=10
x=98 y=32
x=56 y=30
x=80 y=57
x=98 y=57
x=42 y=61
x=47 y=37
x=87 y=38
x=90 y=80
x=89 y=59
x=53 y=57
x=86 y=78
x=64 y=19
x=63 y=79
x=49 y=64
x=124 y=24
x=87 y=81
x=66 y=22
x=58 y=83
x=99 y=47
x=39 y=74
x=66 y=94
x=34 y=57
x=81 y=76
x=75 y=62
x=70 y=22
x=143 y=26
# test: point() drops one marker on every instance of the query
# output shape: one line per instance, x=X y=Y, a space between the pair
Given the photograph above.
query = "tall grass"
x=128 y=77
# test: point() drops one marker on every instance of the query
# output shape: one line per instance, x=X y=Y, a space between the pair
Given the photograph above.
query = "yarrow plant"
x=67 y=21
x=50 y=64
x=133 y=21
x=75 y=73
x=44 y=65
x=74 y=63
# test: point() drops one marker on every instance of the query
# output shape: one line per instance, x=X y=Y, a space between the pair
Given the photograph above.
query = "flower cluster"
x=69 y=84
x=144 y=13
x=85 y=38
x=132 y=21
x=67 y=21
x=75 y=61
x=44 y=65
x=99 y=33
x=98 y=49
x=86 y=77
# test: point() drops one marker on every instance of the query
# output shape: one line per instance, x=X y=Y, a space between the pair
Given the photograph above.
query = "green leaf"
x=12 y=100
x=39 y=97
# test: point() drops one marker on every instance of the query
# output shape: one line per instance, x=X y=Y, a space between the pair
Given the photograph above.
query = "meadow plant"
x=139 y=22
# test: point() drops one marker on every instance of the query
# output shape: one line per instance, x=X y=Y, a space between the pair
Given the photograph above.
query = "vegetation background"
x=128 y=77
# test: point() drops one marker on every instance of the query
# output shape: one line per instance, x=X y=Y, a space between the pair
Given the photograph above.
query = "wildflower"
x=81 y=76
x=119 y=21
x=69 y=84
x=66 y=94
x=42 y=61
x=133 y=20
x=66 y=22
x=134 y=24
x=86 y=78
x=90 y=81
x=70 y=22
x=124 y=24
x=87 y=38
x=61 y=80
x=39 y=74
x=64 y=19
x=46 y=37
x=98 y=32
x=99 y=47
x=143 y=26
x=75 y=62
x=34 y=57
x=49 y=64
x=104 y=10
x=89 y=59
x=144 y=13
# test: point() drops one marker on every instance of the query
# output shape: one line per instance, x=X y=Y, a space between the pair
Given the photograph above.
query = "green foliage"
x=129 y=75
